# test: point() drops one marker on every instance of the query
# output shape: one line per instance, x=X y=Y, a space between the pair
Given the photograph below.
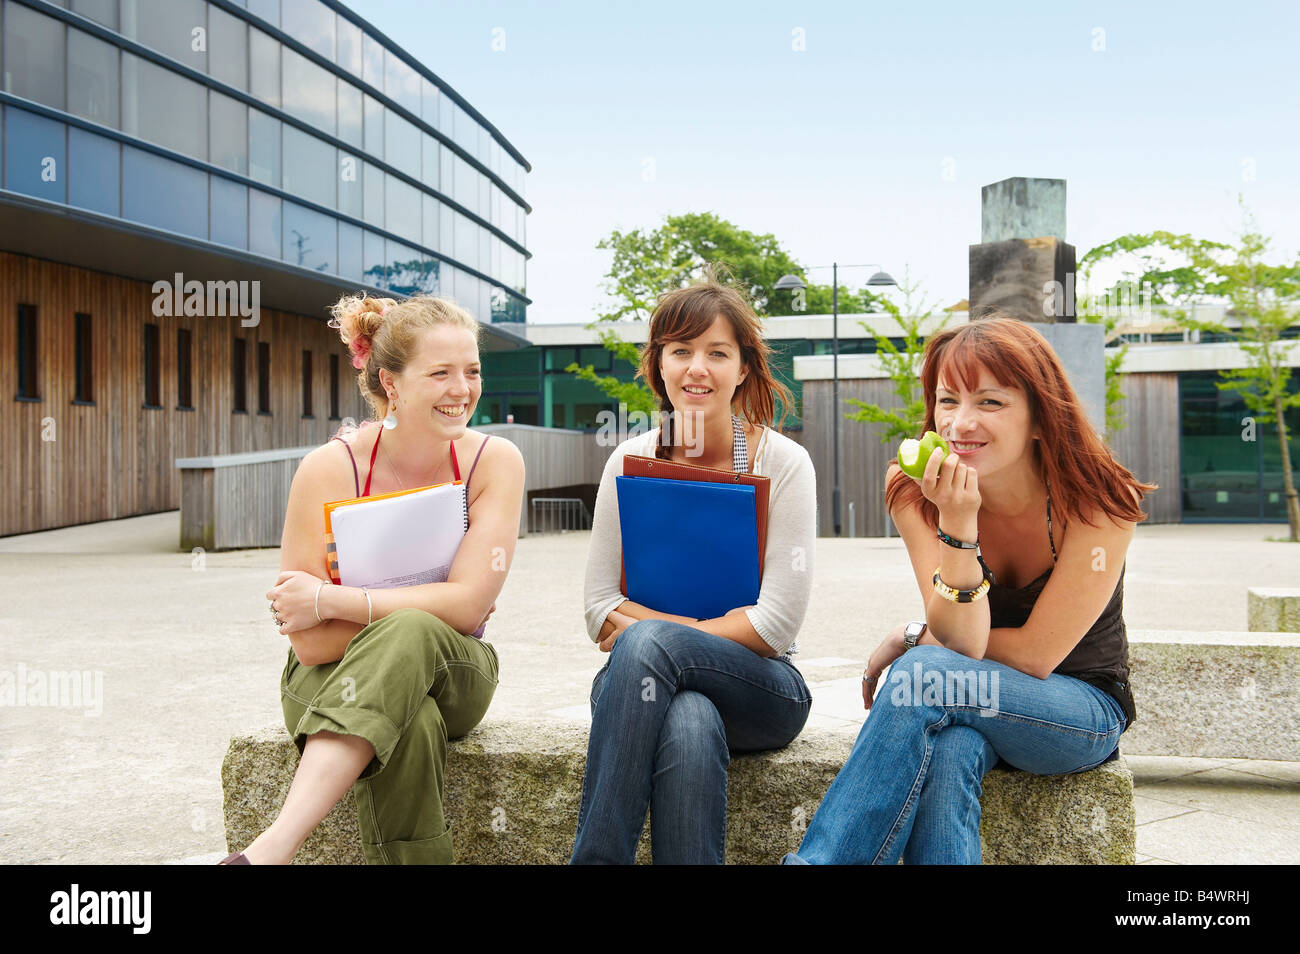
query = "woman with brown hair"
x=1017 y=539
x=678 y=695
x=377 y=680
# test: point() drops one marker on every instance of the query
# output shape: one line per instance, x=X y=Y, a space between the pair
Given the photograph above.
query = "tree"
x=647 y=263
x=1153 y=281
x=1262 y=301
x=903 y=366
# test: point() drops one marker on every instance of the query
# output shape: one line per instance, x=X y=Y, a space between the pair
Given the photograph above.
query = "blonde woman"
x=377 y=680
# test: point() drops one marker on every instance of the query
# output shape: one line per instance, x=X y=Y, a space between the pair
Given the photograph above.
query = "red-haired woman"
x=679 y=694
x=1017 y=539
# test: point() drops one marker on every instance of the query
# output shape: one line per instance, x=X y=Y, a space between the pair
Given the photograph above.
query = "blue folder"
x=690 y=548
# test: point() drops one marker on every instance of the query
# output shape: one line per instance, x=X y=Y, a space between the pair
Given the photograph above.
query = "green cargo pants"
x=406 y=684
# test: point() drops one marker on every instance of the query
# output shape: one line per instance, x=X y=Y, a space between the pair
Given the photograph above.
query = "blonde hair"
x=385 y=333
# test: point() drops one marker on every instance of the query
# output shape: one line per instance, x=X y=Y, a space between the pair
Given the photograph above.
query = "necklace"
x=398 y=477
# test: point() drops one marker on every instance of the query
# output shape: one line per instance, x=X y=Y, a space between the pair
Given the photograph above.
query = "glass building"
x=272 y=154
x=1231 y=464
x=531 y=385
x=287 y=130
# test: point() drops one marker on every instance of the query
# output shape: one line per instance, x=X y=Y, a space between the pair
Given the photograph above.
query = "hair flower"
x=360 y=346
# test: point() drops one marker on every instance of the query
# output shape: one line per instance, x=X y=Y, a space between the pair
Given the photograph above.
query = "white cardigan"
x=791 y=533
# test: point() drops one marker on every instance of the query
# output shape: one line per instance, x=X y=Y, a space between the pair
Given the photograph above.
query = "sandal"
x=235 y=858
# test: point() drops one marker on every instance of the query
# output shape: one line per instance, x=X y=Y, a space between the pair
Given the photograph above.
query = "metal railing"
x=558 y=515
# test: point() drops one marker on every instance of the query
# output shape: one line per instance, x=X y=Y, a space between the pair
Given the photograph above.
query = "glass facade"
x=562 y=400
x=294 y=110
x=1231 y=467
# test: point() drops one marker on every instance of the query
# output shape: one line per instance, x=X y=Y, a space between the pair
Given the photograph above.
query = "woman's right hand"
x=953 y=487
x=890 y=648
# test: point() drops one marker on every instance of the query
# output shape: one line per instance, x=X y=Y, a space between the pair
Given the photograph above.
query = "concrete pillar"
x=1024 y=268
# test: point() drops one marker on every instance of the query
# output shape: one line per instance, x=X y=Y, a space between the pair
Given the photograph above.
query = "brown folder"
x=637 y=466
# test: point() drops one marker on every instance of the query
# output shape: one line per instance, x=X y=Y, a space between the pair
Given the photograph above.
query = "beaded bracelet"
x=959 y=544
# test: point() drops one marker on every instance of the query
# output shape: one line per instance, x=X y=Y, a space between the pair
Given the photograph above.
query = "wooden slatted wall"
x=863 y=458
x=117 y=458
x=1149 y=444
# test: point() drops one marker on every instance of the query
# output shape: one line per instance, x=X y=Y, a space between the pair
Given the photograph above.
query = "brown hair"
x=686 y=313
x=384 y=333
x=1074 y=461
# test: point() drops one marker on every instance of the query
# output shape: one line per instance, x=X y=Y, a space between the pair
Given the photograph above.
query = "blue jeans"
x=669 y=707
x=911 y=786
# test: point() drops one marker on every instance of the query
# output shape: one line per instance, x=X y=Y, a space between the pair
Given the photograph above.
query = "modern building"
x=530 y=385
x=187 y=186
x=1212 y=461
x=1182 y=432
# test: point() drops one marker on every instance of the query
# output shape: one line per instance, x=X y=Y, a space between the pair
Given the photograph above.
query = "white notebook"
x=400 y=539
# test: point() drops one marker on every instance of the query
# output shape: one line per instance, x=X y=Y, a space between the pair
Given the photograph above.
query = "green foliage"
x=647 y=263
x=1162 y=265
x=635 y=395
x=1172 y=283
x=1262 y=299
x=902 y=365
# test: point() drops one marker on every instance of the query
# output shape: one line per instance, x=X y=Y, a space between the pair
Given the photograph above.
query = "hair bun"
x=357 y=318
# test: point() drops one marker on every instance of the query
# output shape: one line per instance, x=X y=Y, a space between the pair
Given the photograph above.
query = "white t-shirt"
x=791 y=533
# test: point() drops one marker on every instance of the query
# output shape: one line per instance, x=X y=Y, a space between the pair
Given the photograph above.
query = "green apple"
x=914 y=455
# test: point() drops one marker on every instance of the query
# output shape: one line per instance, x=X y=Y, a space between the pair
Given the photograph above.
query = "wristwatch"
x=912 y=632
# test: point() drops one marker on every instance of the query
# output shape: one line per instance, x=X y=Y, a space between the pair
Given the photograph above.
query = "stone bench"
x=1215 y=695
x=513 y=789
x=1273 y=609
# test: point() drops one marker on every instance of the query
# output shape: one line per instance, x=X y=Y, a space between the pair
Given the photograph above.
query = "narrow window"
x=184 y=380
x=152 y=369
x=263 y=377
x=334 y=387
x=306 y=384
x=27 y=354
x=239 y=365
x=85 y=391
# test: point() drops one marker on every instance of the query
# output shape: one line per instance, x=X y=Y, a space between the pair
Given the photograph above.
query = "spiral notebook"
x=403 y=538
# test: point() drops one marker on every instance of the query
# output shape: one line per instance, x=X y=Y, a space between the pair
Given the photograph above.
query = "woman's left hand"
x=890 y=648
x=621 y=622
x=293 y=598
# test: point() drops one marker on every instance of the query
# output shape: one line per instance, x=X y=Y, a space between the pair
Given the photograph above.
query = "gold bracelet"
x=954 y=595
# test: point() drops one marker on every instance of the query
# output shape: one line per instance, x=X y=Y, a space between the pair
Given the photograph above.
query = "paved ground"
x=187 y=657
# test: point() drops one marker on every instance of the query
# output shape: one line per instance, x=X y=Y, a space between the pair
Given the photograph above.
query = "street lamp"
x=791 y=282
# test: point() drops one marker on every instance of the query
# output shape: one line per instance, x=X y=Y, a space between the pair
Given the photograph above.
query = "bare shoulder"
x=498 y=453
x=328 y=468
x=1094 y=527
x=499 y=462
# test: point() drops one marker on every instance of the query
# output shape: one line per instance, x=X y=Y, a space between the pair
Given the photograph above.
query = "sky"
x=862 y=132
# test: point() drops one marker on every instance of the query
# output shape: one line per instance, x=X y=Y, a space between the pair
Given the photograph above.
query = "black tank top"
x=1101 y=657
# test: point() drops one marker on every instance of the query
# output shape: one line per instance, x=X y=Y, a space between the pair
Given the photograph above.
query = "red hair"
x=1076 y=463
